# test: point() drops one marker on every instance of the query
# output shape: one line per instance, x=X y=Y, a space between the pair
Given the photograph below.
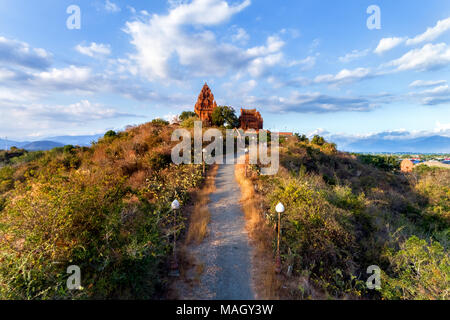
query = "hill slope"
x=345 y=213
x=105 y=209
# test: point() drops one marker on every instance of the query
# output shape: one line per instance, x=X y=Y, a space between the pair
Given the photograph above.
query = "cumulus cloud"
x=21 y=54
x=429 y=57
x=305 y=64
x=435 y=96
x=315 y=103
x=240 y=36
x=77 y=112
x=355 y=54
x=94 y=49
x=111 y=6
x=423 y=83
x=167 y=48
x=431 y=33
x=344 y=76
x=26 y=118
x=387 y=44
x=69 y=78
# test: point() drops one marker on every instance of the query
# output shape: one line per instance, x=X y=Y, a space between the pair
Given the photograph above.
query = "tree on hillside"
x=189 y=122
x=225 y=115
x=159 y=121
x=301 y=137
x=318 y=140
x=110 y=134
x=186 y=115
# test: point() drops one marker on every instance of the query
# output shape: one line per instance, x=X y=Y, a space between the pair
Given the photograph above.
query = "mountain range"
x=376 y=143
x=50 y=142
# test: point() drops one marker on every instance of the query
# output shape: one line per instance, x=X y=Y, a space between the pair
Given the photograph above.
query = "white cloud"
x=132 y=9
x=387 y=44
x=429 y=57
x=306 y=64
x=240 y=36
x=293 y=33
x=423 y=83
x=12 y=96
x=168 y=49
x=65 y=76
x=22 y=54
x=6 y=74
x=315 y=102
x=94 y=49
x=431 y=33
x=344 y=76
x=274 y=44
x=434 y=96
x=111 y=6
x=355 y=54
x=77 y=112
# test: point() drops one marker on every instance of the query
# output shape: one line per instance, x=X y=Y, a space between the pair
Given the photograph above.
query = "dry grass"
x=200 y=216
x=266 y=283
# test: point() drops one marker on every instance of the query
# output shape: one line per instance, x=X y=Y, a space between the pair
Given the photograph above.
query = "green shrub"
x=110 y=134
x=225 y=114
x=189 y=122
x=419 y=270
x=318 y=140
x=186 y=115
x=160 y=122
x=387 y=163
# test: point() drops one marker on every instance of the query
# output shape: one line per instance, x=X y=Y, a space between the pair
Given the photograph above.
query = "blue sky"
x=309 y=66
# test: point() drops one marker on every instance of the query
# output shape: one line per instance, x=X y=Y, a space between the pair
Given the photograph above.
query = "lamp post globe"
x=279 y=208
x=175 y=205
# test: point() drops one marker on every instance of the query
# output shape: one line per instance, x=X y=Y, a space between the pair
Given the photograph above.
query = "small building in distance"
x=406 y=165
x=205 y=104
x=250 y=119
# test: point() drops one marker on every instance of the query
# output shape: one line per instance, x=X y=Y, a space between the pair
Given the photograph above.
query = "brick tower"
x=205 y=104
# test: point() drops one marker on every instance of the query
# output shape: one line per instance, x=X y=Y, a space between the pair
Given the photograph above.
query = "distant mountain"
x=11 y=143
x=83 y=141
x=41 y=145
x=50 y=142
x=431 y=144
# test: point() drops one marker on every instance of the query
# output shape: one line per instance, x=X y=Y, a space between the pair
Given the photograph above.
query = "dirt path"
x=223 y=258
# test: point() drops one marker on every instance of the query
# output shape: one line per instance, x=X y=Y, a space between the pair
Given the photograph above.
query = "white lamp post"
x=174 y=272
x=279 y=209
x=246 y=152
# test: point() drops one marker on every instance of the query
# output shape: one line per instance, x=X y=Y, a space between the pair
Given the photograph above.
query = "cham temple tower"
x=249 y=119
x=205 y=104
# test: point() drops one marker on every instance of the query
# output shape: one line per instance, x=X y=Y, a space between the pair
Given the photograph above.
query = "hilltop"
x=106 y=208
